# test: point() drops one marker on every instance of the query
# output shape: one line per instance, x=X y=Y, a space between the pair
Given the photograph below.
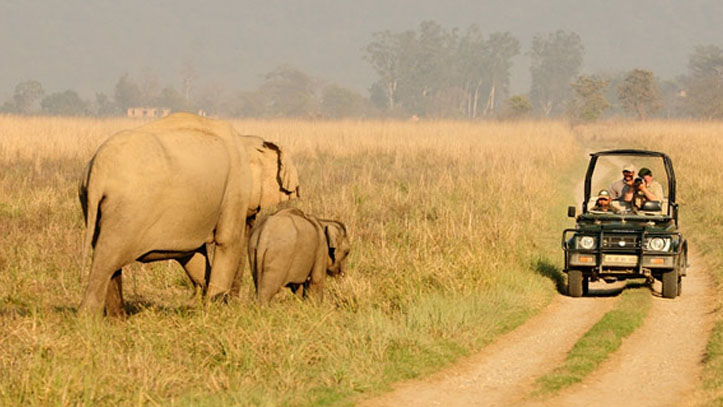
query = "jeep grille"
x=620 y=242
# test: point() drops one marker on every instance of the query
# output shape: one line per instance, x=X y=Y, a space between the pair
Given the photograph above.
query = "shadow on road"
x=548 y=270
x=597 y=289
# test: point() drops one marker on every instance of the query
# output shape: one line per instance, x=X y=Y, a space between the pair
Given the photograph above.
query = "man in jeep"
x=642 y=189
x=617 y=187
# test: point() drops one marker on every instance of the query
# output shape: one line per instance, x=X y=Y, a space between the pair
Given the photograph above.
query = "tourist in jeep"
x=602 y=204
x=642 y=189
x=616 y=188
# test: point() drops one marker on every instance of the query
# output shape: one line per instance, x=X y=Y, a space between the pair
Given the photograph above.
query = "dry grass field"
x=446 y=220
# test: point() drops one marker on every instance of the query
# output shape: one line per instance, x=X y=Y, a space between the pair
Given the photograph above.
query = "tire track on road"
x=504 y=370
x=660 y=364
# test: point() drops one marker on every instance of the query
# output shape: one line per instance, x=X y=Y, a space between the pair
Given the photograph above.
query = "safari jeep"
x=632 y=241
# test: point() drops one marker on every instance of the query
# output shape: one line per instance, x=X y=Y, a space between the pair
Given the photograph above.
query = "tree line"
x=428 y=72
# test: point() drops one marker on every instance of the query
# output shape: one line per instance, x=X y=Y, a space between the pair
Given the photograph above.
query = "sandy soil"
x=660 y=364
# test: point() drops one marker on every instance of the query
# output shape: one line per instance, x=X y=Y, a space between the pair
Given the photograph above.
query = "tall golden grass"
x=454 y=227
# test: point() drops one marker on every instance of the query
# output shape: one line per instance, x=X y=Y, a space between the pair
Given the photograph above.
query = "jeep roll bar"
x=667 y=163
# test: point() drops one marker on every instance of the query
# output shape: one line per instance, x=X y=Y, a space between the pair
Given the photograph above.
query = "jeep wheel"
x=574 y=283
x=670 y=284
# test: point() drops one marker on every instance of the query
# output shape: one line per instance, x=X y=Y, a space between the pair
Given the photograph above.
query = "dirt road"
x=658 y=365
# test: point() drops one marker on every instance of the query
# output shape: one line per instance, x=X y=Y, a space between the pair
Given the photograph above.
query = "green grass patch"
x=599 y=342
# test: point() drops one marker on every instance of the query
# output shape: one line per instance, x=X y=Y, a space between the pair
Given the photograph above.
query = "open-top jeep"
x=636 y=239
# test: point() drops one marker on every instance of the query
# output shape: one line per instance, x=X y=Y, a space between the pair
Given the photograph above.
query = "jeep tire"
x=670 y=284
x=575 y=283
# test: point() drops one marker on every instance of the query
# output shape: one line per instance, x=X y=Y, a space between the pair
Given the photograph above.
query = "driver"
x=617 y=187
x=602 y=204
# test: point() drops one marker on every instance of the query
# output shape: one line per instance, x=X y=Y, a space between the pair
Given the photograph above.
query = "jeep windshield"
x=612 y=186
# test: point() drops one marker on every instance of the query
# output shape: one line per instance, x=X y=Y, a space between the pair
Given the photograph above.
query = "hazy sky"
x=87 y=45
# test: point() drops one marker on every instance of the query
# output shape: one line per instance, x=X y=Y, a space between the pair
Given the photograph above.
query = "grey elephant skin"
x=168 y=189
x=291 y=249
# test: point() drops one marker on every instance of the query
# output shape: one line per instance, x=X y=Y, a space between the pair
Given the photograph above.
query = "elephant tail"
x=90 y=199
x=257 y=268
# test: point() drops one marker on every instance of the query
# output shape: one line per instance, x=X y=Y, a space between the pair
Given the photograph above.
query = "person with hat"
x=602 y=204
x=616 y=188
x=643 y=188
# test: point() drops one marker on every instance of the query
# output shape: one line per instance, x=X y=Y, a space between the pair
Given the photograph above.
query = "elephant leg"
x=238 y=277
x=316 y=290
x=236 y=285
x=114 y=305
x=266 y=291
x=229 y=252
x=106 y=264
x=270 y=283
x=226 y=261
x=298 y=289
x=197 y=268
x=315 y=284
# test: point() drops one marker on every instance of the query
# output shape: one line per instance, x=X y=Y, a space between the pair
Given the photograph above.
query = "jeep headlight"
x=658 y=244
x=586 y=242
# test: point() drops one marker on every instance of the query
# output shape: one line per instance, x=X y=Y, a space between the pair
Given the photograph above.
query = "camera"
x=637 y=181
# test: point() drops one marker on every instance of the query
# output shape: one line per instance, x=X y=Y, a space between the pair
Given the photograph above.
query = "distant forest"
x=431 y=72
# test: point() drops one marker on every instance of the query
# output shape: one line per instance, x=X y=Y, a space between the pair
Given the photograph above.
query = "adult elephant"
x=168 y=189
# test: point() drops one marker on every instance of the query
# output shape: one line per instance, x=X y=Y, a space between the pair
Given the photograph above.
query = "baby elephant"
x=291 y=249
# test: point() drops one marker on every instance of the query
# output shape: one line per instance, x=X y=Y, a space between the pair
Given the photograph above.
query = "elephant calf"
x=291 y=249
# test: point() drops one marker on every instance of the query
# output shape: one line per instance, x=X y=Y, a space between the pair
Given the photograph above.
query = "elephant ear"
x=332 y=236
x=332 y=240
x=335 y=232
x=287 y=176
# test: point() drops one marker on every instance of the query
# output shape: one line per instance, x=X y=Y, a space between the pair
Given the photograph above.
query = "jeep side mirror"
x=570 y=211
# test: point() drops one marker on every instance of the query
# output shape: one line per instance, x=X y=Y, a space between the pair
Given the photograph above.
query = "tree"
x=169 y=97
x=424 y=68
x=8 y=107
x=247 y=104
x=127 y=93
x=66 y=103
x=338 y=102
x=672 y=92
x=104 y=106
x=500 y=48
x=516 y=107
x=189 y=74
x=436 y=72
x=556 y=60
x=148 y=87
x=705 y=82
x=471 y=71
x=209 y=98
x=25 y=96
x=638 y=93
x=385 y=54
x=589 y=102
x=289 y=92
